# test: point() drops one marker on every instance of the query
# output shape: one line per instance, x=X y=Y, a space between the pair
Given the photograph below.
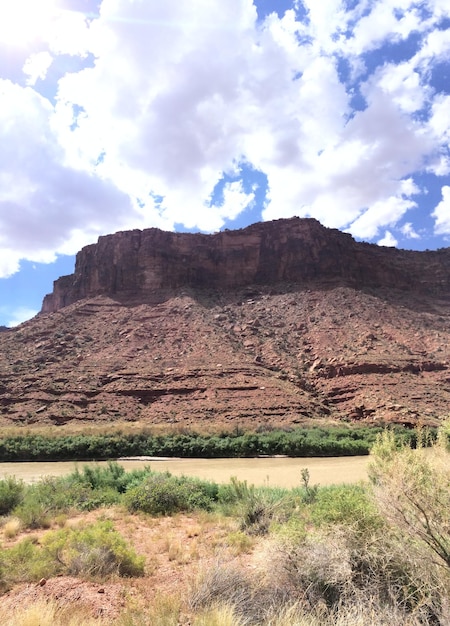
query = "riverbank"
x=299 y=442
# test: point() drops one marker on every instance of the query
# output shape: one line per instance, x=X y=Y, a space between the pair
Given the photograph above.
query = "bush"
x=48 y=497
x=256 y=508
x=11 y=494
x=112 y=477
x=96 y=551
x=347 y=505
x=412 y=493
x=163 y=494
x=412 y=489
x=24 y=562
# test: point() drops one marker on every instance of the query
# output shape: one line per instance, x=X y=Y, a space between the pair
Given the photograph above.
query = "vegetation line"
x=300 y=442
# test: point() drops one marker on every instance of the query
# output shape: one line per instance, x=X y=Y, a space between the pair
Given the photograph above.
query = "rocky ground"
x=176 y=549
x=250 y=358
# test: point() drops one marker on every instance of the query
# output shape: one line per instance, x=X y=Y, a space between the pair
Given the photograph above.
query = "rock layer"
x=148 y=265
x=279 y=324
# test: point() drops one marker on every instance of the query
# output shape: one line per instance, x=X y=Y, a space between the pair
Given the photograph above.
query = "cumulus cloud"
x=388 y=240
x=441 y=213
x=37 y=65
x=19 y=315
x=45 y=205
x=163 y=103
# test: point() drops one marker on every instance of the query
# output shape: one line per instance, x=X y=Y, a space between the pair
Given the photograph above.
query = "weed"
x=11 y=494
x=45 y=613
x=163 y=494
x=12 y=527
x=240 y=542
x=93 y=551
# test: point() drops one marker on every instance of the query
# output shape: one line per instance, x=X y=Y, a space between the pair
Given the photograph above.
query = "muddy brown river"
x=275 y=472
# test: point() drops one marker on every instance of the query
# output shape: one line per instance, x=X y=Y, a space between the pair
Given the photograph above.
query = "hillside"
x=280 y=323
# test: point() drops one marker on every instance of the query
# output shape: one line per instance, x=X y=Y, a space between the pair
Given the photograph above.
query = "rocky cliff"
x=279 y=324
x=148 y=265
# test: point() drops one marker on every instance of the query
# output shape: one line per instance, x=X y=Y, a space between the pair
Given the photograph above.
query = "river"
x=272 y=471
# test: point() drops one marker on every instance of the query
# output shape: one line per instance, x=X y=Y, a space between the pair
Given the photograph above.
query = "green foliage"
x=256 y=508
x=25 y=562
x=96 y=551
x=309 y=491
x=113 y=477
x=86 y=489
x=347 y=505
x=163 y=494
x=41 y=501
x=50 y=496
x=301 y=442
x=413 y=492
x=11 y=494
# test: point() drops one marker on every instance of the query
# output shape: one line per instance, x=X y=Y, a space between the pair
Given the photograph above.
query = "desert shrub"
x=111 y=477
x=221 y=615
x=48 y=497
x=315 y=569
x=97 y=550
x=24 y=562
x=163 y=494
x=245 y=594
x=348 y=505
x=46 y=612
x=255 y=508
x=412 y=489
x=12 y=527
x=11 y=493
x=412 y=493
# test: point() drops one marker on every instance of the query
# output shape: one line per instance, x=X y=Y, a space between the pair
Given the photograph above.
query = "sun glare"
x=23 y=21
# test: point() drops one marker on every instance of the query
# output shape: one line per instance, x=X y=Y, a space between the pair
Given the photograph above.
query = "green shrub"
x=11 y=494
x=44 y=499
x=163 y=494
x=256 y=508
x=348 y=505
x=113 y=477
x=25 y=562
x=96 y=551
x=299 y=442
x=412 y=489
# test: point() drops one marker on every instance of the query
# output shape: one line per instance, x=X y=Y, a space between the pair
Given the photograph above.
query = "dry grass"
x=11 y=528
x=164 y=610
x=219 y=616
x=240 y=543
x=46 y=613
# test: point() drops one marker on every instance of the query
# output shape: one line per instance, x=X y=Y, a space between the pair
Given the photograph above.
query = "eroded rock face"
x=148 y=265
x=280 y=324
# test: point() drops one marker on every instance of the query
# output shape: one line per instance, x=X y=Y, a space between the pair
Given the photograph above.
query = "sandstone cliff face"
x=146 y=265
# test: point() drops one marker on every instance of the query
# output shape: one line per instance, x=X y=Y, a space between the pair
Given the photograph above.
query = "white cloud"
x=19 y=315
x=36 y=66
x=383 y=23
x=68 y=33
x=383 y=213
x=42 y=202
x=442 y=213
x=408 y=230
x=388 y=240
x=175 y=96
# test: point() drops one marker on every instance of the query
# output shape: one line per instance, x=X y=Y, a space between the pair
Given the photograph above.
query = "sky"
x=212 y=114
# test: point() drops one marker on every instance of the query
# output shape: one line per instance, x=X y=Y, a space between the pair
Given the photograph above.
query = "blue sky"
x=204 y=115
